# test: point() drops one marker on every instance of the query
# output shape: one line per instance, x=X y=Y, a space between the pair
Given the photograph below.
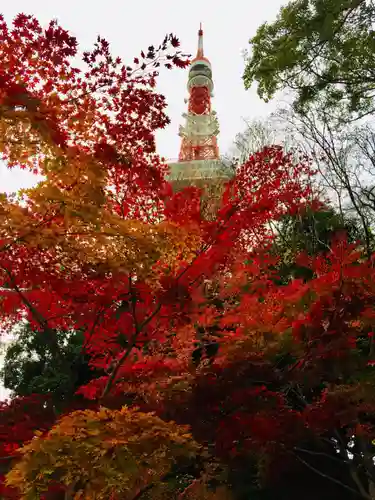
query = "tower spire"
x=200 y=42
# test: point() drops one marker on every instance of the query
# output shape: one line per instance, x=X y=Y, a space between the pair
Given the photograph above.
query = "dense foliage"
x=182 y=321
x=95 y=453
x=31 y=367
x=320 y=49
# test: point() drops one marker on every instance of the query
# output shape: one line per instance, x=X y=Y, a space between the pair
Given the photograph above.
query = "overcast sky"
x=131 y=26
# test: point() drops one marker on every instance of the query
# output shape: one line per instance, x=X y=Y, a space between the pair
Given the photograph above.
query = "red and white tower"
x=199 y=141
x=199 y=163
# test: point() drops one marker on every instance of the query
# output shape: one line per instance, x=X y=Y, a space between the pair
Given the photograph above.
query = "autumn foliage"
x=181 y=316
x=108 y=450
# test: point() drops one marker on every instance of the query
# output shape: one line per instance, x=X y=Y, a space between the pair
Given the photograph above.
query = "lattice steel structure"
x=198 y=135
x=199 y=163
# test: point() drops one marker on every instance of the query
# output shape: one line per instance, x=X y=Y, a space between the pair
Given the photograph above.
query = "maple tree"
x=110 y=452
x=99 y=179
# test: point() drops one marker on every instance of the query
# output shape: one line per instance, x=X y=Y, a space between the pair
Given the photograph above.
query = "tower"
x=199 y=141
x=199 y=162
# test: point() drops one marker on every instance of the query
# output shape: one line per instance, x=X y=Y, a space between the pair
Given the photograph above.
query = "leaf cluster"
x=321 y=50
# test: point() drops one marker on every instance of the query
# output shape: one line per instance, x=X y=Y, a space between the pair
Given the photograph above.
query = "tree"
x=90 y=134
x=88 y=218
x=313 y=230
x=31 y=367
x=320 y=50
x=341 y=154
x=343 y=157
x=150 y=312
x=102 y=454
x=258 y=134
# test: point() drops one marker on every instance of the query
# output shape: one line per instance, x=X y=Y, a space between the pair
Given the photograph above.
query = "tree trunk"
x=371 y=489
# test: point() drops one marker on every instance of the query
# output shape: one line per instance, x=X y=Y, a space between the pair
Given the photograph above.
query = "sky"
x=130 y=26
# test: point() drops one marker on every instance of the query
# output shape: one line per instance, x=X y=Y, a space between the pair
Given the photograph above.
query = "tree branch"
x=320 y=453
x=326 y=476
x=51 y=334
x=138 y=329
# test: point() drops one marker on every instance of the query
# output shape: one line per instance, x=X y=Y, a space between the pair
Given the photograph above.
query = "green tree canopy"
x=32 y=366
x=319 y=49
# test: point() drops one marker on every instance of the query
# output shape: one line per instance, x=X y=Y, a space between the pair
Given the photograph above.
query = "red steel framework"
x=199 y=140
